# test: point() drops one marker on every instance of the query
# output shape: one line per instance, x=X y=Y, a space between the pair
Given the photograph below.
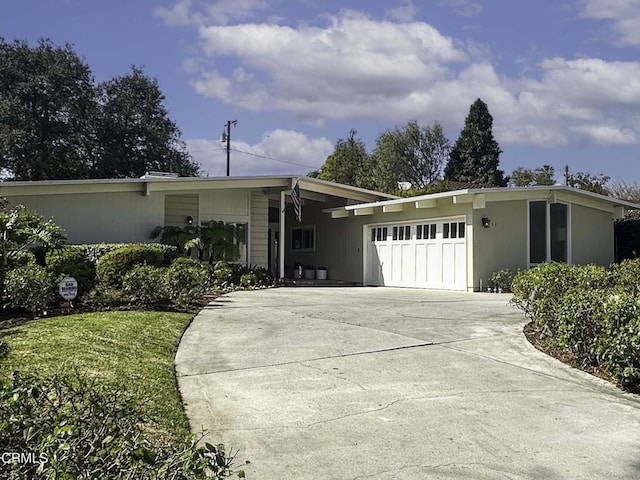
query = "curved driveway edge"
x=383 y=383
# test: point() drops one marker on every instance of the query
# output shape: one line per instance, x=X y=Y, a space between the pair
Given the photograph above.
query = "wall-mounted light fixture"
x=189 y=220
x=486 y=223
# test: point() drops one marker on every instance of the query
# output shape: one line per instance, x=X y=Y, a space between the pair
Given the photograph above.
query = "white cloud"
x=359 y=68
x=624 y=16
x=199 y=12
x=466 y=8
x=280 y=152
x=403 y=11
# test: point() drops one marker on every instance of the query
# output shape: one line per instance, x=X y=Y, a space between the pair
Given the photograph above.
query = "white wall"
x=100 y=217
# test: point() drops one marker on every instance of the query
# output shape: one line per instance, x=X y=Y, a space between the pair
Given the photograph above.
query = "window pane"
x=445 y=230
x=461 y=227
x=384 y=234
x=395 y=233
x=537 y=232
x=454 y=230
x=407 y=232
x=558 y=217
x=419 y=232
x=373 y=234
x=401 y=233
x=432 y=231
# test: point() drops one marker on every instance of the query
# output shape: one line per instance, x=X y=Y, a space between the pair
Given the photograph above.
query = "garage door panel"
x=417 y=255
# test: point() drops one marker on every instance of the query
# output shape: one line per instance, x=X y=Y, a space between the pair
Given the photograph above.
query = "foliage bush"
x=80 y=429
x=145 y=286
x=101 y=297
x=188 y=261
x=113 y=266
x=30 y=287
x=263 y=276
x=538 y=291
x=249 y=280
x=588 y=311
x=71 y=261
x=221 y=275
x=502 y=279
x=185 y=284
x=93 y=252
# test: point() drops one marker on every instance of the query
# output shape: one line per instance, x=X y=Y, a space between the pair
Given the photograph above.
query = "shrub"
x=30 y=287
x=144 y=285
x=618 y=346
x=580 y=320
x=263 y=276
x=82 y=429
x=249 y=280
x=539 y=290
x=184 y=284
x=93 y=252
x=102 y=298
x=626 y=275
x=222 y=275
x=113 y=266
x=72 y=261
x=188 y=261
x=502 y=280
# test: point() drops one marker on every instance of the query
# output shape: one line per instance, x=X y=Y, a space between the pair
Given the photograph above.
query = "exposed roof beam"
x=426 y=203
x=394 y=207
x=363 y=211
x=339 y=213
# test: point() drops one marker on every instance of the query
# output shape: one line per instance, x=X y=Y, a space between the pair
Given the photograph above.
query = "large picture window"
x=548 y=232
x=303 y=238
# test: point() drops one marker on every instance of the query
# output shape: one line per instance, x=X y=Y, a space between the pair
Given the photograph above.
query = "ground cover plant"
x=587 y=315
x=96 y=398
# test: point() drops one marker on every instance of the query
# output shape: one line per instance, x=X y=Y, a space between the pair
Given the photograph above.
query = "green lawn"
x=134 y=350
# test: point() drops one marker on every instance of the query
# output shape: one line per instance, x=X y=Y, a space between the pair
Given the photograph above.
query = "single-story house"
x=452 y=240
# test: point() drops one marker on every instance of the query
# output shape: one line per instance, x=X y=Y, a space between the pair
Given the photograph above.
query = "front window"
x=548 y=232
x=303 y=238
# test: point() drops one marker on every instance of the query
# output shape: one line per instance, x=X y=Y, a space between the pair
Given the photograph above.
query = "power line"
x=253 y=155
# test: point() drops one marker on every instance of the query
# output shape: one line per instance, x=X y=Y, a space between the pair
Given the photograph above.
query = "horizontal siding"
x=259 y=230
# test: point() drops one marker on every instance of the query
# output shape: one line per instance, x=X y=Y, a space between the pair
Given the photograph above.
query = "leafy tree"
x=525 y=177
x=475 y=155
x=625 y=190
x=413 y=154
x=46 y=107
x=349 y=163
x=587 y=181
x=134 y=131
x=56 y=124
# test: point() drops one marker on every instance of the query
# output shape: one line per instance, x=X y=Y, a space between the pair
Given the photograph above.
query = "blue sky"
x=561 y=78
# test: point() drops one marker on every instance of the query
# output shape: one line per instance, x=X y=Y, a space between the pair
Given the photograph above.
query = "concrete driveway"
x=381 y=383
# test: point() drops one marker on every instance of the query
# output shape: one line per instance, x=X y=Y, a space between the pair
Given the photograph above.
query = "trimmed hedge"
x=114 y=265
x=589 y=311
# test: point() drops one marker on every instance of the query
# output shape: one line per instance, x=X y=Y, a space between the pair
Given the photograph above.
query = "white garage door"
x=427 y=254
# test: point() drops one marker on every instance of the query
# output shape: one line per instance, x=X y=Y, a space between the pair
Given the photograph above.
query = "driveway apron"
x=384 y=383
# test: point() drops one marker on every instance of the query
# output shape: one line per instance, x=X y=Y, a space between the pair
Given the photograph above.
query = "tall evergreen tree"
x=475 y=155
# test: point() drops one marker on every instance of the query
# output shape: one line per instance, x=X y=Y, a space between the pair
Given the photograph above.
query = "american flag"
x=295 y=198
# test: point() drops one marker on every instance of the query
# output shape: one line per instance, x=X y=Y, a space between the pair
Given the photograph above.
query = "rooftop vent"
x=159 y=175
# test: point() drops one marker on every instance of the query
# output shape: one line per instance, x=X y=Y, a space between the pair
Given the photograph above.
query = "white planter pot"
x=321 y=274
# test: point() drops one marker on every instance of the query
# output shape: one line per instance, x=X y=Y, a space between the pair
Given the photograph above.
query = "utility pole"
x=226 y=136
